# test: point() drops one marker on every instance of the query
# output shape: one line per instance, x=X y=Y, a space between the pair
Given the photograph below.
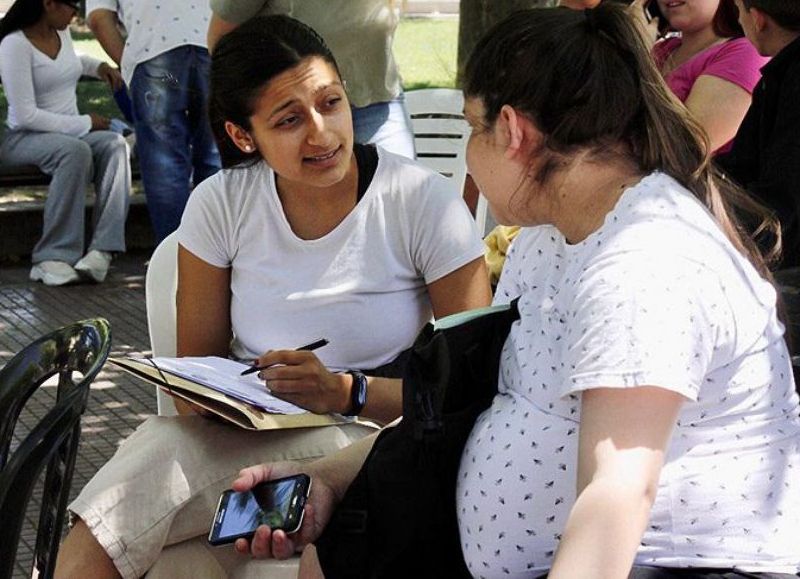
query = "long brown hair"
x=726 y=20
x=588 y=82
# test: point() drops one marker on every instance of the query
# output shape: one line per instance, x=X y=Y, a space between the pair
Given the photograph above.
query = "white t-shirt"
x=156 y=26
x=41 y=90
x=362 y=286
x=656 y=296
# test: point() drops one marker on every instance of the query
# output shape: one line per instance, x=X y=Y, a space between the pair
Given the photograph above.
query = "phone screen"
x=278 y=504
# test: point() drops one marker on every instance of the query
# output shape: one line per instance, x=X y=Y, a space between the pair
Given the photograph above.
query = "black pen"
x=307 y=348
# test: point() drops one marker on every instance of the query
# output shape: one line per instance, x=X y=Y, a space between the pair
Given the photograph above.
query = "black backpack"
x=398 y=518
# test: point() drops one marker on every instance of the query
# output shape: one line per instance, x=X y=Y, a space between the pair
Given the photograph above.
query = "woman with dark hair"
x=40 y=72
x=302 y=235
x=709 y=66
x=646 y=423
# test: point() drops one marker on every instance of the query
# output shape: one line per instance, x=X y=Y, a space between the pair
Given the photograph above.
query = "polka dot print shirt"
x=156 y=26
x=656 y=296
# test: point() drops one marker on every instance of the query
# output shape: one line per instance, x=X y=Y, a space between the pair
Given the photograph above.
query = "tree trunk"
x=477 y=16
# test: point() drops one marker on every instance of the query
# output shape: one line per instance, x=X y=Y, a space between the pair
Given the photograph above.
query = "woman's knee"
x=81 y=555
x=112 y=149
x=116 y=144
x=76 y=155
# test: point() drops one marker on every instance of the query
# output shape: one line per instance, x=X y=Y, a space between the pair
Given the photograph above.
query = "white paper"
x=223 y=375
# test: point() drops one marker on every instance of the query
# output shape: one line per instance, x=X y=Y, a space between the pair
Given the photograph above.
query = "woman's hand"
x=318 y=510
x=648 y=23
x=186 y=408
x=299 y=377
x=99 y=122
x=111 y=75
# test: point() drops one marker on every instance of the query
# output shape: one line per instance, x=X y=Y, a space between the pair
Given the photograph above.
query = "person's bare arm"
x=719 y=106
x=464 y=289
x=331 y=476
x=105 y=26
x=217 y=28
x=203 y=310
x=624 y=434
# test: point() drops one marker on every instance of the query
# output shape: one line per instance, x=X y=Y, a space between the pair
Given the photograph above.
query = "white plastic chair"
x=440 y=136
x=161 y=286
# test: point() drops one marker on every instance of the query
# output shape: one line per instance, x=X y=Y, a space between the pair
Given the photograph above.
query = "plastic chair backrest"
x=440 y=136
x=52 y=443
x=161 y=286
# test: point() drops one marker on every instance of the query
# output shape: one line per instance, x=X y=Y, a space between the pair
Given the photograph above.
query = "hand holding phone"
x=319 y=508
x=647 y=12
x=278 y=503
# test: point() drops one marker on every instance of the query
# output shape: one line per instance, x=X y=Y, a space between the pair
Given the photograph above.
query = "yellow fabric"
x=496 y=248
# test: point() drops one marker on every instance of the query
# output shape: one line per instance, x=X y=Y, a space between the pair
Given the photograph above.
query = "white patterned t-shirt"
x=656 y=296
x=155 y=27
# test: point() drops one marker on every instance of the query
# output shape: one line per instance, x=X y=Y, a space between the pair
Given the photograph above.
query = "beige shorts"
x=161 y=487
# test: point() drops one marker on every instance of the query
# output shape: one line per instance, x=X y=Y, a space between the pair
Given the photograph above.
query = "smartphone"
x=277 y=503
x=654 y=11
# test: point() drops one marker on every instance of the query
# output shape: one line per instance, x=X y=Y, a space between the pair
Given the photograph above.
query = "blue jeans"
x=386 y=124
x=174 y=141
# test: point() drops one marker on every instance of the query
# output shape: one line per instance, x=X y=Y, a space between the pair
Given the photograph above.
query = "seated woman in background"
x=40 y=72
x=302 y=236
x=646 y=418
x=711 y=67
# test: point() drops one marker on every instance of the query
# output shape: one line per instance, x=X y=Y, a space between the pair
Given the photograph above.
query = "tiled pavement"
x=118 y=403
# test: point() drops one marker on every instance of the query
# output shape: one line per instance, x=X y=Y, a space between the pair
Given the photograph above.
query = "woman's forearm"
x=384 y=399
x=340 y=469
x=603 y=531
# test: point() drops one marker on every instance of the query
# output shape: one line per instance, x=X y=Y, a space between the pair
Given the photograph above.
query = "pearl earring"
x=248 y=148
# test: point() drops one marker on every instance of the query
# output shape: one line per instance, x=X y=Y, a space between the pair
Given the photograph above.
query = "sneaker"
x=54 y=273
x=94 y=265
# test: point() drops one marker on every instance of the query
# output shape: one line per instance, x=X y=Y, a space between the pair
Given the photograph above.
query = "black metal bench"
x=22 y=175
x=30 y=175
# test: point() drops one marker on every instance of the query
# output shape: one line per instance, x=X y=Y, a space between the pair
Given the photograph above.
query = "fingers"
x=260 y=546
x=292 y=372
x=286 y=357
x=289 y=386
x=266 y=544
x=283 y=546
x=307 y=533
x=251 y=476
x=242 y=546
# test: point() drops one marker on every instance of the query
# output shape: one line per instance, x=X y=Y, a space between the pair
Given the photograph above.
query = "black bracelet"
x=358 y=393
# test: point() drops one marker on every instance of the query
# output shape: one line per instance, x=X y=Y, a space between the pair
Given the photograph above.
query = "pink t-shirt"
x=735 y=60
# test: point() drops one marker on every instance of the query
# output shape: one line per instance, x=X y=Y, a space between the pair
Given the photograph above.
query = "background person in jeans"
x=40 y=71
x=165 y=63
x=360 y=34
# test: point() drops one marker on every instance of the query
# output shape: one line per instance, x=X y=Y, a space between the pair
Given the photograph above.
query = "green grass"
x=425 y=50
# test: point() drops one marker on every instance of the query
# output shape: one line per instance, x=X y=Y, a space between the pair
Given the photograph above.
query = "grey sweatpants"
x=101 y=157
